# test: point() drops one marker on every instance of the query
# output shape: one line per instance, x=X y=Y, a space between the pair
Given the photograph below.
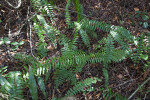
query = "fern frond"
x=108 y=49
x=32 y=85
x=4 y=85
x=79 y=9
x=106 y=75
x=76 y=58
x=124 y=33
x=67 y=14
x=51 y=31
x=25 y=58
x=42 y=50
x=85 y=37
x=63 y=75
x=95 y=25
x=109 y=95
x=81 y=86
x=36 y=4
x=39 y=30
x=49 y=11
x=13 y=85
x=118 y=37
x=17 y=83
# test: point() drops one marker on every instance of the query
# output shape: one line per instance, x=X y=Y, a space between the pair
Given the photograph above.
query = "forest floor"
x=124 y=77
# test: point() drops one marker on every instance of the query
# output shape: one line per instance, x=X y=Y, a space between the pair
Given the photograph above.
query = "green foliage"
x=112 y=48
x=42 y=86
x=41 y=27
x=72 y=58
x=5 y=40
x=32 y=85
x=25 y=58
x=106 y=75
x=67 y=14
x=14 y=45
x=143 y=16
x=109 y=95
x=95 y=25
x=142 y=50
x=49 y=11
x=13 y=85
x=63 y=75
x=42 y=50
x=79 y=9
x=81 y=86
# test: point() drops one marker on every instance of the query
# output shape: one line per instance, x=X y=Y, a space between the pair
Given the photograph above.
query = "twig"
x=148 y=79
x=15 y=7
x=30 y=39
x=124 y=83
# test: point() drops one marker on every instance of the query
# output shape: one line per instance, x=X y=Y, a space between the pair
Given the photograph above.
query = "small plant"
x=141 y=52
x=144 y=16
x=14 y=45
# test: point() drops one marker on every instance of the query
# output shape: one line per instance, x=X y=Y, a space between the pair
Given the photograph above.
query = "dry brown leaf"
x=77 y=76
x=138 y=34
x=136 y=9
x=115 y=18
x=146 y=73
x=120 y=76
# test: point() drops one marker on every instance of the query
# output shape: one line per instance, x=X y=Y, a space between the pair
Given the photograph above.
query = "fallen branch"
x=15 y=7
x=139 y=88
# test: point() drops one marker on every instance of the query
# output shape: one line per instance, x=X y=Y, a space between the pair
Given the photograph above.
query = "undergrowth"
x=36 y=74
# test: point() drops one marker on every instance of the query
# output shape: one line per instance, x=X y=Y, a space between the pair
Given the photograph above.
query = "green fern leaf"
x=32 y=85
x=42 y=86
x=80 y=86
x=67 y=15
x=5 y=84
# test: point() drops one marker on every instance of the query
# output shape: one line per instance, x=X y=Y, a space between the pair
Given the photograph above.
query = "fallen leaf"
x=146 y=73
x=136 y=9
x=115 y=18
x=77 y=76
x=137 y=34
x=120 y=76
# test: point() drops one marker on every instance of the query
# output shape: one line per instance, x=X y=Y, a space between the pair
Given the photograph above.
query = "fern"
x=81 y=86
x=79 y=9
x=142 y=48
x=95 y=25
x=49 y=11
x=120 y=38
x=109 y=95
x=42 y=50
x=118 y=33
x=39 y=30
x=63 y=75
x=106 y=75
x=108 y=49
x=25 y=58
x=32 y=85
x=67 y=15
x=36 y=4
x=13 y=85
x=72 y=59
x=85 y=37
x=51 y=31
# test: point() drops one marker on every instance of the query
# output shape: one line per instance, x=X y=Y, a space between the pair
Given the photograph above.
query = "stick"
x=15 y=7
x=138 y=88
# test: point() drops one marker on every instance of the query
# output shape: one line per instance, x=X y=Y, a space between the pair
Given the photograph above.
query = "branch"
x=15 y=7
x=139 y=88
